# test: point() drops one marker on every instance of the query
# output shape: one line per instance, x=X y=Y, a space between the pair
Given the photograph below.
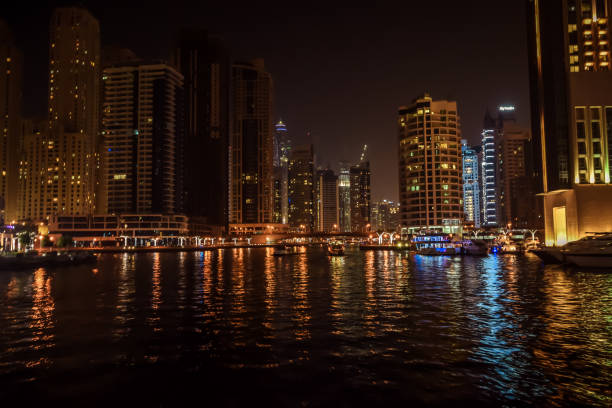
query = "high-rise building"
x=360 y=194
x=301 y=188
x=326 y=187
x=489 y=177
x=571 y=114
x=205 y=66
x=344 y=198
x=251 y=145
x=143 y=128
x=385 y=216
x=282 y=150
x=70 y=165
x=11 y=65
x=515 y=191
x=471 y=184
x=34 y=185
x=430 y=171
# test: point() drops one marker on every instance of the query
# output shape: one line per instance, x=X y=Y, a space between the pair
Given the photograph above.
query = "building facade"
x=282 y=150
x=326 y=187
x=143 y=128
x=488 y=171
x=205 y=66
x=430 y=171
x=11 y=66
x=571 y=114
x=385 y=216
x=251 y=144
x=360 y=196
x=301 y=188
x=471 y=184
x=74 y=95
x=344 y=197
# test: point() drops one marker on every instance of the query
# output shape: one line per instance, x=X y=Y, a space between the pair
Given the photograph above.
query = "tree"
x=64 y=241
x=25 y=238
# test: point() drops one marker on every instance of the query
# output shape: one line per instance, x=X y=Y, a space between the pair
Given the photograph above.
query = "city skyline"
x=332 y=103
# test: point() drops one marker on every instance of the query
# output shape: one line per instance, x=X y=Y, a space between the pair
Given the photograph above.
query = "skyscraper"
x=430 y=173
x=360 y=194
x=326 y=187
x=489 y=177
x=204 y=64
x=282 y=150
x=143 y=127
x=471 y=184
x=301 y=188
x=74 y=80
x=385 y=216
x=11 y=65
x=571 y=114
x=344 y=198
x=251 y=169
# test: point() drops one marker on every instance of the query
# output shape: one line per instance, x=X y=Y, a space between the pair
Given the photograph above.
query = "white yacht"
x=592 y=251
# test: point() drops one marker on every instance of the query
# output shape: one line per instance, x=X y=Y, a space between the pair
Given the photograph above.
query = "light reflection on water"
x=368 y=327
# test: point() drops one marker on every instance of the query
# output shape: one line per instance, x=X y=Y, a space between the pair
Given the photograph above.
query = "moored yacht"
x=592 y=251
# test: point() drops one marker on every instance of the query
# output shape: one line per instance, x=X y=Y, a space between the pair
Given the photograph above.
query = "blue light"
x=110 y=150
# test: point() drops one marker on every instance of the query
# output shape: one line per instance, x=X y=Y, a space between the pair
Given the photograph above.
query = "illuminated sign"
x=506 y=108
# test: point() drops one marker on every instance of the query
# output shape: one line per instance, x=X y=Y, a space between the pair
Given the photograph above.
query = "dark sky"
x=340 y=72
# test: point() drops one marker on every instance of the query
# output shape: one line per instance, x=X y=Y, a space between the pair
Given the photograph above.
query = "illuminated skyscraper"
x=282 y=150
x=571 y=113
x=301 y=188
x=326 y=187
x=360 y=194
x=385 y=216
x=11 y=64
x=252 y=144
x=204 y=64
x=430 y=172
x=344 y=198
x=143 y=127
x=489 y=176
x=471 y=184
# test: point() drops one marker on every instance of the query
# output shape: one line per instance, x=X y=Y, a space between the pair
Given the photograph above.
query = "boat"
x=549 y=255
x=436 y=245
x=283 y=250
x=510 y=248
x=592 y=251
x=335 y=249
x=531 y=244
x=475 y=247
x=438 y=251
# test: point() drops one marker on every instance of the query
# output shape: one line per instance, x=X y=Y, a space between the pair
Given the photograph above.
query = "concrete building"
x=301 y=188
x=360 y=194
x=11 y=66
x=143 y=131
x=251 y=144
x=385 y=216
x=326 y=187
x=571 y=114
x=344 y=198
x=471 y=184
x=205 y=66
x=430 y=171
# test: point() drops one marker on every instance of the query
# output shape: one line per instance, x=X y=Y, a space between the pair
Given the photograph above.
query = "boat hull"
x=590 y=260
x=549 y=255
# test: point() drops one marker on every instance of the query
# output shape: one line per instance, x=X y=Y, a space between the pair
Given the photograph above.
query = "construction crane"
x=363 y=153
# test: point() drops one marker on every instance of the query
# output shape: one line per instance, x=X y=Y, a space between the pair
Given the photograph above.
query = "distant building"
x=11 y=68
x=251 y=144
x=385 y=216
x=471 y=184
x=430 y=171
x=205 y=66
x=360 y=194
x=571 y=114
x=144 y=132
x=326 y=187
x=33 y=182
x=489 y=175
x=282 y=150
x=301 y=188
x=344 y=198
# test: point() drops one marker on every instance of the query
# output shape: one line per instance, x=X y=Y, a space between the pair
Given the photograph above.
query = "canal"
x=243 y=327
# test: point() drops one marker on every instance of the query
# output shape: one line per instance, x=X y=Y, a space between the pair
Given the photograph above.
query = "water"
x=242 y=327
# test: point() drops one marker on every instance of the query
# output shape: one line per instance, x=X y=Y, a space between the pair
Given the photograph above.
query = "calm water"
x=244 y=327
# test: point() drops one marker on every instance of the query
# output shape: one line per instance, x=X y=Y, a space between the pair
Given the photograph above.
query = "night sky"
x=339 y=73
